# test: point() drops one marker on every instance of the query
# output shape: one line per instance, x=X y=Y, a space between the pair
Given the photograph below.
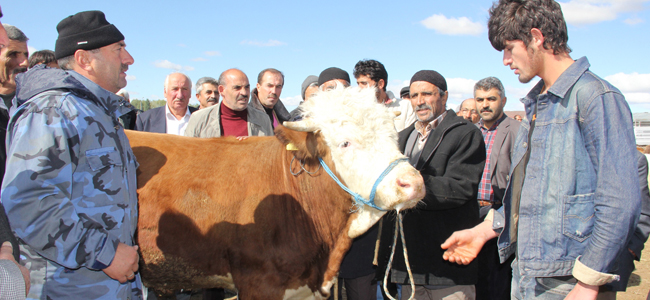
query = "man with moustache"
x=13 y=60
x=499 y=133
x=573 y=198
x=468 y=110
x=450 y=154
x=232 y=117
x=207 y=92
x=70 y=185
x=266 y=96
x=174 y=116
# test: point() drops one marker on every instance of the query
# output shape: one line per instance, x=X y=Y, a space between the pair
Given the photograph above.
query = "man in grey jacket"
x=232 y=117
x=499 y=133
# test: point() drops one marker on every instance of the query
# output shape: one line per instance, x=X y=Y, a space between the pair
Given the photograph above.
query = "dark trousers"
x=494 y=278
x=360 y=288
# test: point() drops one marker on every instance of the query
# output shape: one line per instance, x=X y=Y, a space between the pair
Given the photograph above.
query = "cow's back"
x=216 y=209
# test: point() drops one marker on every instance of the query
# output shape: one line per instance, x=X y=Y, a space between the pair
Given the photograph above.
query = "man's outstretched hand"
x=463 y=246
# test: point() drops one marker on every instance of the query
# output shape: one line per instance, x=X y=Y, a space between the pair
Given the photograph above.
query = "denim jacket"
x=580 y=199
x=70 y=184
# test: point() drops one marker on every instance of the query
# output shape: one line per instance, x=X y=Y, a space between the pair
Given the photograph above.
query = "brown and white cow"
x=226 y=213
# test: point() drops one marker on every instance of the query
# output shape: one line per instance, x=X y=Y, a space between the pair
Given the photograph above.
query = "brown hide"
x=221 y=206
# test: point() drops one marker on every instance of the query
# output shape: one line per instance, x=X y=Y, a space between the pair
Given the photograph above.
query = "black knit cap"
x=432 y=77
x=331 y=74
x=404 y=91
x=86 y=30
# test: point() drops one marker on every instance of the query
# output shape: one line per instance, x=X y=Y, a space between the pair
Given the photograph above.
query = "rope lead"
x=398 y=224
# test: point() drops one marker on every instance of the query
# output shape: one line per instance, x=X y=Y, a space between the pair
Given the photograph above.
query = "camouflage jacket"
x=70 y=185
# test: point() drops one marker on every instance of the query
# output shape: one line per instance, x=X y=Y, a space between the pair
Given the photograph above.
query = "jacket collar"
x=563 y=84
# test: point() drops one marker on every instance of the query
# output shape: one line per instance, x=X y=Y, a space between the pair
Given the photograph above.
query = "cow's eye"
x=344 y=144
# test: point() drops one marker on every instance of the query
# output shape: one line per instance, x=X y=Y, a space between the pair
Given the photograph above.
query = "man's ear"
x=221 y=89
x=83 y=59
x=381 y=84
x=538 y=38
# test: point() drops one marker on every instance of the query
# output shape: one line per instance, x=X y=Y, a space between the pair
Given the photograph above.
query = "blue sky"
x=301 y=38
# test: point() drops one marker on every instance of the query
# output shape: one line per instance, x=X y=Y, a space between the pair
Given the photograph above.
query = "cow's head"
x=362 y=141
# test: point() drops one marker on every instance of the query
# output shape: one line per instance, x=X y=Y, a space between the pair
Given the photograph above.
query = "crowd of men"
x=543 y=207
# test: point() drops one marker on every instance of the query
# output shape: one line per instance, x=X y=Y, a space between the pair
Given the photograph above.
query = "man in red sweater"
x=232 y=117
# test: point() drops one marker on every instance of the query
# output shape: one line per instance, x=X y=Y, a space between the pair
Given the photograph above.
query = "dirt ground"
x=639 y=284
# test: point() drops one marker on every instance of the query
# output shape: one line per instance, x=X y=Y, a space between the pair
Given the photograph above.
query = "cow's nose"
x=412 y=186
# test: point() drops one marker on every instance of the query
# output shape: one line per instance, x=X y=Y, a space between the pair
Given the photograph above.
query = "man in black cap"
x=327 y=80
x=450 y=154
x=70 y=186
x=404 y=93
x=309 y=87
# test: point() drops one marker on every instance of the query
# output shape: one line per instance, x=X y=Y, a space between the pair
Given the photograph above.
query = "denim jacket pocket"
x=578 y=216
x=103 y=157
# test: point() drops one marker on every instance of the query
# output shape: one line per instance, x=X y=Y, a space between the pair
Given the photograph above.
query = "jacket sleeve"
x=606 y=124
x=643 y=228
x=43 y=153
x=459 y=182
x=139 y=124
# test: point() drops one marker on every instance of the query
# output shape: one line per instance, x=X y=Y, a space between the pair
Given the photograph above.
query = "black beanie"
x=331 y=74
x=86 y=30
x=404 y=91
x=432 y=77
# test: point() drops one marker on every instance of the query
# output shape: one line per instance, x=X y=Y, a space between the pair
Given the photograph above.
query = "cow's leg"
x=341 y=247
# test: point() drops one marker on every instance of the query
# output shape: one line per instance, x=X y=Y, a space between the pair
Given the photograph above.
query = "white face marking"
x=367 y=217
x=362 y=139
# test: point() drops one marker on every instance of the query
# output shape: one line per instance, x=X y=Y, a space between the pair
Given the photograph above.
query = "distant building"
x=642 y=128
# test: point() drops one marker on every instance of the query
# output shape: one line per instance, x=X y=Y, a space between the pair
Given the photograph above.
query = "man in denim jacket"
x=70 y=184
x=573 y=198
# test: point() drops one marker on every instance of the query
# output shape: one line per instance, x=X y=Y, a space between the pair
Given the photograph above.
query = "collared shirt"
x=425 y=129
x=176 y=126
x=485 y=192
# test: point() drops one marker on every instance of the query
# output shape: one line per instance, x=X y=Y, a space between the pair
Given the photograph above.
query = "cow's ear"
x=305 y=145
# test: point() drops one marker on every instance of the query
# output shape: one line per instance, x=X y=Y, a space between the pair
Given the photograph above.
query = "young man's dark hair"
x=373 y=69
x=513 y=19
x=41 y=57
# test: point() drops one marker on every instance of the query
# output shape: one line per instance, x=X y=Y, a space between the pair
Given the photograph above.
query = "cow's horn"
x=304 y=125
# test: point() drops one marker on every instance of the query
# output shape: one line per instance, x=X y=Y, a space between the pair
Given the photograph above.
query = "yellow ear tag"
x=292 y=147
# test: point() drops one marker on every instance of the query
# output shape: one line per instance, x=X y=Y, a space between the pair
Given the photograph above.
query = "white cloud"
x=396 y=85
x=212 y=53
x=31 y=50
x=634 y=86
x=130 y=77
x=643 y=98
x=199 y=59
x=583 y=12
x=165 y=64
x=270 y=43
x=155 y=97
x=292 y=101
x=630 y=83
x=459 y=89
x=633 y=21
x=452 y=26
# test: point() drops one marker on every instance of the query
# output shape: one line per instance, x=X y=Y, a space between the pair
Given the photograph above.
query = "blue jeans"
x=543 y=288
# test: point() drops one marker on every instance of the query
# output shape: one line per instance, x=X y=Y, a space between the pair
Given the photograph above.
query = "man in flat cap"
x=449 y=152
x=70 y=185
x=328 y=79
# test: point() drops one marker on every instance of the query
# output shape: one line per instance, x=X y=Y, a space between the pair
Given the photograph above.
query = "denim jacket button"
x=524 y=145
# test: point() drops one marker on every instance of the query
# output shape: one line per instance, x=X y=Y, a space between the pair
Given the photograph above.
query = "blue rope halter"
x=357 y=198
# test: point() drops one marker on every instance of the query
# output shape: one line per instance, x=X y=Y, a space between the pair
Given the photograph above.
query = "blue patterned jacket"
x=70 y=185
